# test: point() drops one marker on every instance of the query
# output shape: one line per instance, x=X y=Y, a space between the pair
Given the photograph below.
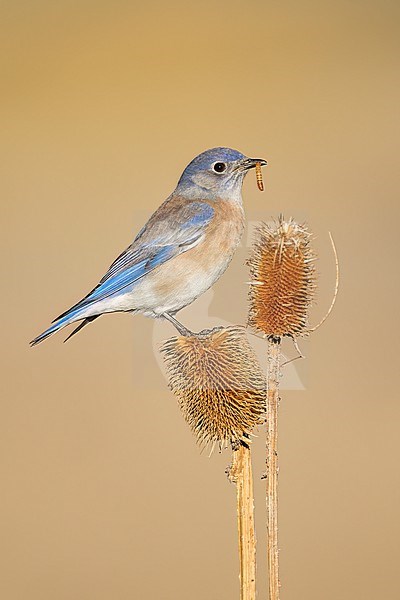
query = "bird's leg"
x=181 y=328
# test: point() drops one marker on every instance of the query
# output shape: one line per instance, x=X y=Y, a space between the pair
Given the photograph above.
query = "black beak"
x=250 y=163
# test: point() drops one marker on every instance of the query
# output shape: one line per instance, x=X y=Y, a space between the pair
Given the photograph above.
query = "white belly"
x=172 y=287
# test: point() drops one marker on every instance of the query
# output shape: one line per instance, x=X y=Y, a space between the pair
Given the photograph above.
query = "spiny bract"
x=218 y=382
x=282 y=283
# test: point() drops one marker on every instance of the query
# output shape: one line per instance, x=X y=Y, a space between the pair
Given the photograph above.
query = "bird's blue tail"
x=69 y=317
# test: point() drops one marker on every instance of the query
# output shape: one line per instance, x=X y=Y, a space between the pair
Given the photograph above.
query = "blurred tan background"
x=104 y=492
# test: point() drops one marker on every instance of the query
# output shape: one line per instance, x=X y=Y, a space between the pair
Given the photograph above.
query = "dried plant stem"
x=272 y=466
x=240 y=473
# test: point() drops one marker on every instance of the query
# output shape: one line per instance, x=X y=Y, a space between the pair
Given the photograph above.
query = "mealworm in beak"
x=259 y=178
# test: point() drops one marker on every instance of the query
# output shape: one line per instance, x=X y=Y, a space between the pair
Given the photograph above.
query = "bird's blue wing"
x=131 y=271
x=159 y=241
x=174 y=228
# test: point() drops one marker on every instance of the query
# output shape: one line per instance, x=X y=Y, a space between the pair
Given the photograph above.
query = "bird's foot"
x=180 y=328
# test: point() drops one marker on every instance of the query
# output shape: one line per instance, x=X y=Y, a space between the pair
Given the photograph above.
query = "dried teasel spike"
x=282 y=285
x=221 y=391
x=282 y=288
x=219 y=384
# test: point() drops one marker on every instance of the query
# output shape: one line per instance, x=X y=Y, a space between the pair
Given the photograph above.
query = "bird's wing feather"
x=173 y=229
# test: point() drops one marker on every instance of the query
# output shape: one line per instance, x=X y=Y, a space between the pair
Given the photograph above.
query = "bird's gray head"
x=216 y=173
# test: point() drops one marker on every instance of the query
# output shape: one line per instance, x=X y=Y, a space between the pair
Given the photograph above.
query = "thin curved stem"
x=335 y=292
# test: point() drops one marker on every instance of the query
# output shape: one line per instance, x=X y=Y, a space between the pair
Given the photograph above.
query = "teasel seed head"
x=219 y=384
x=283 y=279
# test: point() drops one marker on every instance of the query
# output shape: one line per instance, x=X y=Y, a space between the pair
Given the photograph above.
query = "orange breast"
x=193 y=272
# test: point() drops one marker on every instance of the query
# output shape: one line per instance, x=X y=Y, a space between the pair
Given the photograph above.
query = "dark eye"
x=219 y=167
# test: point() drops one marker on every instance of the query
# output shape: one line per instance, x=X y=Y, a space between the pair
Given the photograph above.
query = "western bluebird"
x=181 y=251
